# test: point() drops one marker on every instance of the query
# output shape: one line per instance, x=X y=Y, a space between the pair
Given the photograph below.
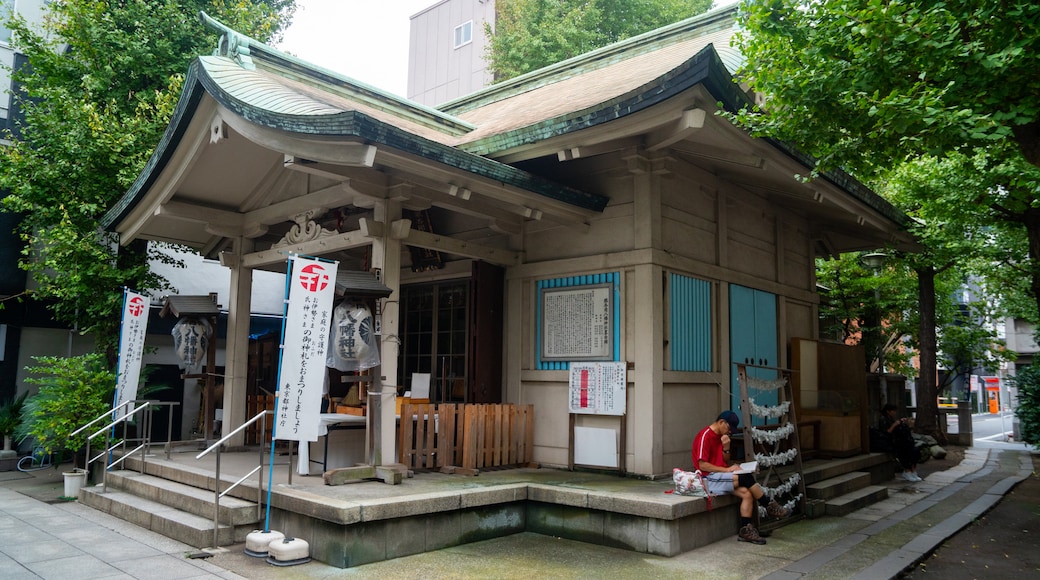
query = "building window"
x=6 y=6
x=464 y=34
x=435 y=337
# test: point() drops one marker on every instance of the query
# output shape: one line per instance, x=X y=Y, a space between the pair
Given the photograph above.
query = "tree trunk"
x=1031 y=220
x=927 y=391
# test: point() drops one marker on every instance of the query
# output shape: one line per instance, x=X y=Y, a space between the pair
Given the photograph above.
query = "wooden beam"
x=458 y=247
x=586 y=151
x=319 y=247
x=691 y=121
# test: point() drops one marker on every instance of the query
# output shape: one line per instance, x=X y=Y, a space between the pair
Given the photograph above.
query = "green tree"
x=894 y=78
x=866 y=85
x=879 y=310
x=1028 y=412
x=531 y=34
x=101 y=84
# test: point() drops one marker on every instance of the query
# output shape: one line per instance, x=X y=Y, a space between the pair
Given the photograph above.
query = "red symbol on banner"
x=136 y=306
x=314 y=278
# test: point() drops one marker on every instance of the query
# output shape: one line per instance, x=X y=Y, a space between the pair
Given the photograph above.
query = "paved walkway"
x=42 y=537
x=63 y=540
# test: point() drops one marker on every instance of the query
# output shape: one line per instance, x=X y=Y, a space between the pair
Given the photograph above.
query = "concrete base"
x=368 y=522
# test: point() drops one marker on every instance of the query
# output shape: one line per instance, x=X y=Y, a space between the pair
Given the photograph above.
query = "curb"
x=920 y=547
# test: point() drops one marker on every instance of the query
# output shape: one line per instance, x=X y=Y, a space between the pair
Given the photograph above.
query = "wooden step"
x=840 y=485
x=850 y=502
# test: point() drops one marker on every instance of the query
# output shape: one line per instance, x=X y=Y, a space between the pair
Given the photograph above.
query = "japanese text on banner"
x=312 y=290
x=131 y=347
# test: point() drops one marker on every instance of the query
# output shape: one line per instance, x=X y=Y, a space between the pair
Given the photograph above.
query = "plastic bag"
x=689 y=483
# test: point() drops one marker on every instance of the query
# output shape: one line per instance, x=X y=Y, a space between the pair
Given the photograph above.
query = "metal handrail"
x=146 y=405
x=217 y=494
x=100 y=417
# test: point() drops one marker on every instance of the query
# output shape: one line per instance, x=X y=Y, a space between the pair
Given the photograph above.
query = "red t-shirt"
x=707 y=446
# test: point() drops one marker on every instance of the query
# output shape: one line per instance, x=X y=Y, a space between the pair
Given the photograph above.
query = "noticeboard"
x=597 y=388
x=577 y=323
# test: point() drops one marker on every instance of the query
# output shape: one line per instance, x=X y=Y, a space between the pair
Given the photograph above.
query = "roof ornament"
x=233 y=44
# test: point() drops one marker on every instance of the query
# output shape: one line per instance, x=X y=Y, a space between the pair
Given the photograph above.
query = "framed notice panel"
x=597 y=388
x=577 y=323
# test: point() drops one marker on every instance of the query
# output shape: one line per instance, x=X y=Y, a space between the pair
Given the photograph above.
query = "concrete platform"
x=370 y=521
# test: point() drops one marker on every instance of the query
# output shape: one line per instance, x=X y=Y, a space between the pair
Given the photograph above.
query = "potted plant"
x=72 y=392
x=10 y=417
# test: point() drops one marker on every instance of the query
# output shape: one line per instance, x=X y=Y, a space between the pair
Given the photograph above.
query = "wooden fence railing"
x=465 y=438
x=255 y=404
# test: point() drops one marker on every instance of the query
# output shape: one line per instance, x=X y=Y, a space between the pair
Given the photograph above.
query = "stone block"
x=443 y=530
x=398 y=507
x=485 y=523
x=558 y=495
x=584 y=525
x=626 y=531
x=406 y=536
x=492 y=495
x=544 y=518
x=364 y=543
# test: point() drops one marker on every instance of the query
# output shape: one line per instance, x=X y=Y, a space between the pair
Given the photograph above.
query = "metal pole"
x=260 y=481
x=216 y=502
x=882 y=379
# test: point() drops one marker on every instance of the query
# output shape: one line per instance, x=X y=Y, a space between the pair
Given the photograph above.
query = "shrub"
x=1028 y=411
x=11 y=415
x=72 y=392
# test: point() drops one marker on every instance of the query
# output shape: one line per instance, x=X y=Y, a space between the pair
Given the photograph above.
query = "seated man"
x=710 y=451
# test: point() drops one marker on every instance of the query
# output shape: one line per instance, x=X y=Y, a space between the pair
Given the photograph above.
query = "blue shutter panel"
x=690 y=311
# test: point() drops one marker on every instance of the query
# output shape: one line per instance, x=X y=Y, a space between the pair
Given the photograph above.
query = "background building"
x=446 y=50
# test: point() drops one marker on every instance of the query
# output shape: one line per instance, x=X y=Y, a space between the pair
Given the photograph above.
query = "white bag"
x=689 y=483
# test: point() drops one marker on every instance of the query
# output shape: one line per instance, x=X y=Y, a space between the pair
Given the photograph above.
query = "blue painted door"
x=752 y=336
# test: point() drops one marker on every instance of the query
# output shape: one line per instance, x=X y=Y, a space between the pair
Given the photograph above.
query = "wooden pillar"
x=236 y=349
x=386 y=256
x=647 y=325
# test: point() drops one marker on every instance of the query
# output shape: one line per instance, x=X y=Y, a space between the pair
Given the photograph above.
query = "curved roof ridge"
x=249 y=53
x=713 y=21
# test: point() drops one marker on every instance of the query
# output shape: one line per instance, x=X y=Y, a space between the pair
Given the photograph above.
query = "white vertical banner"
x=131 y=347
x=308 y=315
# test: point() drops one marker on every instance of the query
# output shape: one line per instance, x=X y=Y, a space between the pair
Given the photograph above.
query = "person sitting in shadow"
x=898 y=430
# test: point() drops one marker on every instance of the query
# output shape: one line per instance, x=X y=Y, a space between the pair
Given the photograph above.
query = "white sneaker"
x=908 y=476
x=915 y=476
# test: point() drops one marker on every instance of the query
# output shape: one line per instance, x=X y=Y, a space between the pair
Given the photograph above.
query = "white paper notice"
x=597 y=388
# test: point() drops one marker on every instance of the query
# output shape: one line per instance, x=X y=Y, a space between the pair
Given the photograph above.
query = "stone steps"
x=176 y=510
x=852 y=501
x=837 y=486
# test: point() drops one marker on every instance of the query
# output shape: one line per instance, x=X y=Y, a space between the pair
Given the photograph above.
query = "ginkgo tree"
x=531 y=34
x=870 y=85
x=98 y=91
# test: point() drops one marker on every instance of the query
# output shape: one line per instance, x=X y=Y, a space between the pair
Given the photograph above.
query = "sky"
x=364 y=39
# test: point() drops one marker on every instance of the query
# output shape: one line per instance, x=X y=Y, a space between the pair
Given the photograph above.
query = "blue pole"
x=274 y=423
x=281 y=347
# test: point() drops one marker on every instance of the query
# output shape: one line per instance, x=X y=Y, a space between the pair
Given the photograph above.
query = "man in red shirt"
x=710 y=454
